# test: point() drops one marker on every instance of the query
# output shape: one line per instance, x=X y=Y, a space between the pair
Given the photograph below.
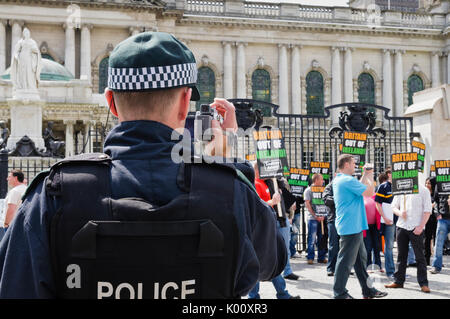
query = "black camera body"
x=203 y=123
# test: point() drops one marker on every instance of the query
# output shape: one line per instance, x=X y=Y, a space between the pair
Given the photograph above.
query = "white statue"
x=26 y=64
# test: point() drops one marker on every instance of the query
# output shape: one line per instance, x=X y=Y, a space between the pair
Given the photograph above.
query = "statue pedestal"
x=26 y=119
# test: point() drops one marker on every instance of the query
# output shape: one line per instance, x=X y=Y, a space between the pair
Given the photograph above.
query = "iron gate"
x=317 y=137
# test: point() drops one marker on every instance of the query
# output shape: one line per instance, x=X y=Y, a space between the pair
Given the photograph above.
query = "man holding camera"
x=151 y=82
x=350 y=222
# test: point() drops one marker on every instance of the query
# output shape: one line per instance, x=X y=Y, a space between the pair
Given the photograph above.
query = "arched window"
x=415 y=84
x=366 y=88
x=261 y=89
x=47 y=56
x=103 y=75
x=206 y=85
x=314 y=93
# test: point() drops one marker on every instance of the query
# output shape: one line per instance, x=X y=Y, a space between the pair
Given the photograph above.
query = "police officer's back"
x=91 y=216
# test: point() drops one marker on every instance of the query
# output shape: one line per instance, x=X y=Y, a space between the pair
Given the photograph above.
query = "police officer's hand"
x=228 y=112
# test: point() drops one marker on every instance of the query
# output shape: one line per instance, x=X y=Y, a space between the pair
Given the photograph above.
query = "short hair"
x=19 y=174
x=388 y=170
x=152 y=101
x=382 y=178
x=343 y=159
x=315 y=177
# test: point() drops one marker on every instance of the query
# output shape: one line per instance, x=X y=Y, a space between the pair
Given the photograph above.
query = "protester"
x=413 y=211
x=16 y=180
x=272 y=199
x=430 y=227
x=443 y=228
x=295 y=227
x=350 y=222
x=314 y=224
x=372 y=238
x=333 y=243
x=152 y=78
x=383 y=200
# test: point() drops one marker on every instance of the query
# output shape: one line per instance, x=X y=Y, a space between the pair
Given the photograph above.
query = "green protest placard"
x=322 y=168
x=354 y=143
x=270 y=153
x=298 y=180
x=317 y=200
x=405 y=173
x=443 y=177
x=419 y=148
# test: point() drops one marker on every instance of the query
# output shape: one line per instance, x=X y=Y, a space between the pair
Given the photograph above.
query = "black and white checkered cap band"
x=159 y=77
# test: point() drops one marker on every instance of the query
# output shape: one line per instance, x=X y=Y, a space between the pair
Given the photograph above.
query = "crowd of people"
x=370 y=220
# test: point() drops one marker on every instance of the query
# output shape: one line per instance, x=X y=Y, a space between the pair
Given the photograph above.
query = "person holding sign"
x=413 y=211
x=350 y=222
x=316 y=215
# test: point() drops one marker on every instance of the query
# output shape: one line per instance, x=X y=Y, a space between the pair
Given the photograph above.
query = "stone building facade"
x=301 y=58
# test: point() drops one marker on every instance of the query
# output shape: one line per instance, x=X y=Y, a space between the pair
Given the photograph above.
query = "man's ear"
x=184 y=102
x=110 y=99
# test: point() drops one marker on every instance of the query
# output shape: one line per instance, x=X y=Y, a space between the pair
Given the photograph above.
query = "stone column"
x=241 y=87
x=336 y=89
x=283 y=89
x=2 y=46
x=387 y=80
x=398 y=78
x=435 y=72
x=70 y=146
x=348 y=75
x=69 y=51
x=448 y=67
x=227 y=70
x=85 y=56
x=296 y=89
x=16 y=33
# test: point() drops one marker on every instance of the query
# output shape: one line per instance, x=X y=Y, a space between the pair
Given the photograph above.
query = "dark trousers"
x=372 y=241
x=352 y=253
x=404 y=237
x=430 y=236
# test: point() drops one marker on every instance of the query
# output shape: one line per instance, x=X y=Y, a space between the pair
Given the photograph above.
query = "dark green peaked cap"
x=152 y=61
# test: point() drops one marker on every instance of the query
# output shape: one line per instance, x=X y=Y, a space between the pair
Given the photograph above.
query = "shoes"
x=377 y=294
x=434 y=270
x=310 y=261
x=296 y=255
x=330 y=273
x=394 y=285
x=323 y=261
x=295 y=297
x=425 y=289
x=291 y=276
x=346 y=296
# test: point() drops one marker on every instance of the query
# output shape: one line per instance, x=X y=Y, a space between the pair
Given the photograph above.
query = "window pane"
x=415 y=84
x=314 y=93
x=366 y=89
x=206 y=85
x=261 y=89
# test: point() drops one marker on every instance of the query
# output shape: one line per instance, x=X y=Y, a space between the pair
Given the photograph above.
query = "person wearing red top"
x=372 y=238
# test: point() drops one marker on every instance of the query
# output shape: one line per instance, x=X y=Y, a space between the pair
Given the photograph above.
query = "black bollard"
x=3 y=172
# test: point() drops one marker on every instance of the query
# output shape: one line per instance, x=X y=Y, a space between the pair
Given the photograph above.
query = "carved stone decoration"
x=315 y=64
x=25 y=147
x=52 y=144
x=4 y=134
x=260 y=62
x=359 y=119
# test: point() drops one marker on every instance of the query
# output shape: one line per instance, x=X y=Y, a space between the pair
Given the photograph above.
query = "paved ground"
x=315 y=284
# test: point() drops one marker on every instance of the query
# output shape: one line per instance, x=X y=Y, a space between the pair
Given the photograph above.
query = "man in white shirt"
x=13 y=199
x=413 y=213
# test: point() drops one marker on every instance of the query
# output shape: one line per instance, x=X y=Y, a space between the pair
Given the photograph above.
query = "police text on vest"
x=160 y=290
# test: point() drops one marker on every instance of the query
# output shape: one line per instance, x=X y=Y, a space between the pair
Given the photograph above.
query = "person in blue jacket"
x=150 y=108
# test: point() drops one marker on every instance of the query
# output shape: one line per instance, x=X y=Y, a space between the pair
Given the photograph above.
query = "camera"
x=203 y=123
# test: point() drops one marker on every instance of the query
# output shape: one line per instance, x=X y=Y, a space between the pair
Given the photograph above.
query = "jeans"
x=333 y=246
x=286 y=233
x=280 y=286
x=314 y=238
x=351 y=254
x=443 y=228
x=388 y=232
x=404 y=237
x=372 y=242
x=411 y=255
x=294 y=236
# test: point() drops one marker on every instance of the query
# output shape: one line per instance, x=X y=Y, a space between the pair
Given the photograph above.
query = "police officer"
x=151 y=82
